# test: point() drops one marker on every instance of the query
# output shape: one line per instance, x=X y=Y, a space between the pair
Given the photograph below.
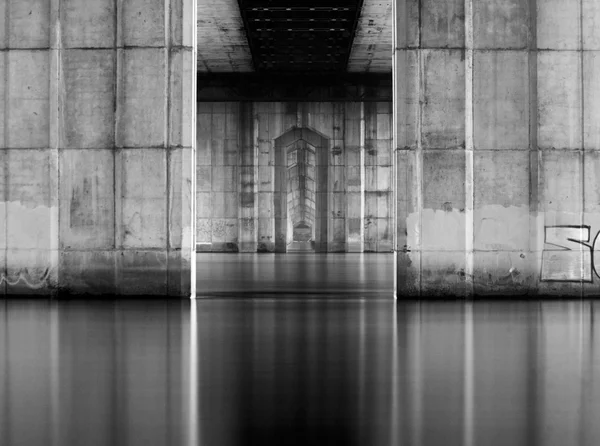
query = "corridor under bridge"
x=462 y=137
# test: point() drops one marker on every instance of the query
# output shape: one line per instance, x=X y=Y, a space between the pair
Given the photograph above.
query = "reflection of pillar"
x=193 y=378
x=55 y=374
x=468 y=378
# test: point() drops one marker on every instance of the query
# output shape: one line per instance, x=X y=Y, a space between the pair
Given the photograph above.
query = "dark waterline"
x=297 y=274
x=255 y=371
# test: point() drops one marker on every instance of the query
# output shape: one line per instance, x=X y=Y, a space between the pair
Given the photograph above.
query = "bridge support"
x=97 y=122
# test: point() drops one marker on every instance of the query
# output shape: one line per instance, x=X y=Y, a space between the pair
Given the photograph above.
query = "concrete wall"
x=96 y=137
x=241 y=194
x=498 y=135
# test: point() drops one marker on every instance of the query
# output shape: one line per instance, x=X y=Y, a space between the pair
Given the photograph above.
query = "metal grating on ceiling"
x=308 y=36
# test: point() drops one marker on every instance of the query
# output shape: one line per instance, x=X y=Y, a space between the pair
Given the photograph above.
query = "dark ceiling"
x=307 y=36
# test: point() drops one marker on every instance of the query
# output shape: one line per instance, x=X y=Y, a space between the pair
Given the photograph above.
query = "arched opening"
x=301 y=183
x=301 y=196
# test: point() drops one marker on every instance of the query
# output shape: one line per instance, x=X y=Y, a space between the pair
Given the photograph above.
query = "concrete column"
x=248 y=199
x=496 y=133
x=265 y=124
x=378 y=187
x=504 y=147
x=429 y=76
x=97 y=144
x=355 y=173
x=568 y=131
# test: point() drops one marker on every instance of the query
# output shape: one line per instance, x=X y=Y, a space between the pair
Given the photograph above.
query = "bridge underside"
x=464 y=136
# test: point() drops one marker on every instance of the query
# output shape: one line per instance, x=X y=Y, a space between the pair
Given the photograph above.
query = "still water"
x=299 y=372
x=296 y=274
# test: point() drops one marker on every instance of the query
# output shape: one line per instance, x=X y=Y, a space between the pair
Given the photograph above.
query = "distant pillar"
x=355 y=174
x=97 y=132
x=248 y=209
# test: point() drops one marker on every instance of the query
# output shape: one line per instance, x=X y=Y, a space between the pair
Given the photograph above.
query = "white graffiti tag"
x=24 y=277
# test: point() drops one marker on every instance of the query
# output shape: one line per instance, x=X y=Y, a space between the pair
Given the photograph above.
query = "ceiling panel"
x=295 y=36
x=222 y=42
x=372 y=47
x=307 y=36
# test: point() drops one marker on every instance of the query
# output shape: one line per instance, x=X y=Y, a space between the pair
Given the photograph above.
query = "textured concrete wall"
x=96 y=137
x=242 y=199
x=497 y=133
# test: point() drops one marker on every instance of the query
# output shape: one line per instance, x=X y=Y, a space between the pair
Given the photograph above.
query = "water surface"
x=299 y=371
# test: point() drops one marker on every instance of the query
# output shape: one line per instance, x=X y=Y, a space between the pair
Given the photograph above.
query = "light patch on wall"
x=30 y=232
x=499 y=227
x=438 y=230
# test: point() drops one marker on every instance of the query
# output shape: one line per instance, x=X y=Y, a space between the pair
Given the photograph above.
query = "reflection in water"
x=232 y=372
x=256 y=275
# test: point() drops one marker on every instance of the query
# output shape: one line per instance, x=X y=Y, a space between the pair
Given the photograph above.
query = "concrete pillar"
x=568 y=73
x=496 y=130
x=429 y=121
x=352 y=127
x=265 y=124
x=248 y=212
x=97 y=136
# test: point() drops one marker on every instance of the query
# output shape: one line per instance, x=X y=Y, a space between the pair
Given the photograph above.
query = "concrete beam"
x=222 y=42
x=372 y=45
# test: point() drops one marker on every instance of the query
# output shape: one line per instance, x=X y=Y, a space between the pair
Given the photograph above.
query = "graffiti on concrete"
x=24 y=277
x=568 y=255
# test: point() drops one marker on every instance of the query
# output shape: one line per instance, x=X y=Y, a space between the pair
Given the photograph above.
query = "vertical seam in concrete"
x=255 y=167
x=54 y=137
x=167 y=136
x=469 y=145
x=168 y=126
x=212 y=164
x=119 y=56
x=582 y=125
x=420 y=25
x=118 y=20
x=5 y=54
x=117 y=68
x=193 y=141
x=418 y=181
x=416 y=185
x=394 y=161
x=255 y=176
x=534 y=153
x=361 y=160
x=241 y=139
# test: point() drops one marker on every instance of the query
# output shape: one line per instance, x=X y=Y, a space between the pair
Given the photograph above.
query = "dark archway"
x=283 y=144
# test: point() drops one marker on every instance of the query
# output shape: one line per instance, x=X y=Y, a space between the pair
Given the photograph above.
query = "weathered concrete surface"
x=224 y=46
x=496 y=125
x=249 y=197
x=96 y=147
x=372 y=44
